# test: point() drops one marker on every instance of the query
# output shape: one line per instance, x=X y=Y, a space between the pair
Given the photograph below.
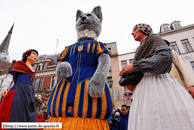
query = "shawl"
x=152 y=41
x=21 y=67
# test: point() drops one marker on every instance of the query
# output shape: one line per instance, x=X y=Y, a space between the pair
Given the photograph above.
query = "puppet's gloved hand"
x=64 y=70
x=97 y=83
x=6 y=84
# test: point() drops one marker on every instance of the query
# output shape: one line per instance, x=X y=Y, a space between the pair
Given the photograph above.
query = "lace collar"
x=87 y=33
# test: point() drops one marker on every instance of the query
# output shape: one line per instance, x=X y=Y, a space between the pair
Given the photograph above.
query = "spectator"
x=114 y=123
x=118 y=110
x=117 y=115
x=70 y=109
x=40 y=117
x=124 y=118
x=46 y=116
x=49 y=117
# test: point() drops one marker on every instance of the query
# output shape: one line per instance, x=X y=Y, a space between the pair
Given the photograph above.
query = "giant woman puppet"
x=18 y=104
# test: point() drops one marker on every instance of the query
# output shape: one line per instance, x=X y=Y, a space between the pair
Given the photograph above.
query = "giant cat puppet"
x=82 y=69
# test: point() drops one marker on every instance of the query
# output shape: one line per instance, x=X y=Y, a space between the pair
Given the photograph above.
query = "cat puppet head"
x=89 y=24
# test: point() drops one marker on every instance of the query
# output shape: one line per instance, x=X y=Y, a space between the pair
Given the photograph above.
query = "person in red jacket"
x=40 y=117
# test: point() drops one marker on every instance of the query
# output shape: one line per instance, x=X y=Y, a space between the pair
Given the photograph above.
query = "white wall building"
x=125 y=59
x=181 y=40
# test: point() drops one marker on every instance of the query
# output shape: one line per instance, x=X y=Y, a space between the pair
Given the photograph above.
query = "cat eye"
x=80 y=16
x=89 y=15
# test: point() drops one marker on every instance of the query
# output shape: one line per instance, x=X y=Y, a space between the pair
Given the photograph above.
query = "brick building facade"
x=4 y=67
x=45 y=78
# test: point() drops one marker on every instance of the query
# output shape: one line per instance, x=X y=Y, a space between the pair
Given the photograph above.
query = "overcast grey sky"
x=39 y=23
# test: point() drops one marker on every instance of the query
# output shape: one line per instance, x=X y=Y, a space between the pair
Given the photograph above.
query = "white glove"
x=64 y=70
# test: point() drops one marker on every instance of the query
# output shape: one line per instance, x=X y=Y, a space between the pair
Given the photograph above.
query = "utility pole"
x=55 y=80
x=56 y=46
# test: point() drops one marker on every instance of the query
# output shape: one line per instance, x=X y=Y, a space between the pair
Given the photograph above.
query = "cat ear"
x=79 y=12
x=97 y=11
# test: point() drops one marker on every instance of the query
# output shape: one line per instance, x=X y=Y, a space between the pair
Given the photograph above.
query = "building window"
x=41 y=83
x=186 y=45
x=165 y=29
x=52 y=82
x=174 y=47
x=35 y=66
x=110 y=69
x=39 y=66
x=131 y=61
x=192 y=64
x=110 y=84
x=36 y=84
x=123 y=63
x=45 y=65
x=176 y=26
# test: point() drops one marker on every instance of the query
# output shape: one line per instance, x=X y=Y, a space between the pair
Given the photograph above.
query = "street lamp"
x=110 y=83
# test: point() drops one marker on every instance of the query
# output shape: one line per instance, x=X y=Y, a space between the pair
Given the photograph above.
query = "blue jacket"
x=126 y=122
x=114 y=126
x=112 y=116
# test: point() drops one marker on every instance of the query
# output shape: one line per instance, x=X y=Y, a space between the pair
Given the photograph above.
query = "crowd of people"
x=119 y=118
x=43 y=116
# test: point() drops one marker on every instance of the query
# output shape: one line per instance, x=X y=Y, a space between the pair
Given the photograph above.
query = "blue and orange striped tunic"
x=73 y=90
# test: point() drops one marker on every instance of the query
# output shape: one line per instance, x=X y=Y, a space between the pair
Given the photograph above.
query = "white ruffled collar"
x=87 y=33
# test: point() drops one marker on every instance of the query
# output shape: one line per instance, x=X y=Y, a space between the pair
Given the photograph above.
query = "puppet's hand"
x=130 y=88
x=127 y=68
x=96 y=85
x=3 y=92
x=191 y=90
x=64 y=70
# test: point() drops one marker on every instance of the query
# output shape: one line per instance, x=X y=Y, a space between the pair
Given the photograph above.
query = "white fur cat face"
x=90 y=21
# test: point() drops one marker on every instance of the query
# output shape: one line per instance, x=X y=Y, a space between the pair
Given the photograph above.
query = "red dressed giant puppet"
x=18 y=104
